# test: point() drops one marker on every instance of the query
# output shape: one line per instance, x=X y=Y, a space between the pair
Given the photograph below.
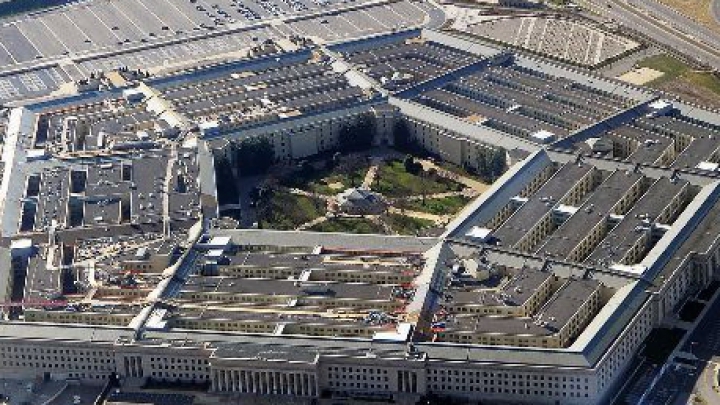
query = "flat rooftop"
x=626 y=234
x=594 y=210
x=540 y=203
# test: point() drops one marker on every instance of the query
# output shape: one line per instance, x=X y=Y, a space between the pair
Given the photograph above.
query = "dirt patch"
x=689 y=91
x=641 y=76
x=336 y=186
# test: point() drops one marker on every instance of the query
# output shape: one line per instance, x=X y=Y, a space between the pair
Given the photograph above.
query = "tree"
x=228 y=192
x=358 y=135
x=498 y=163
x=403 y=139
x=411 y=166
x=306 y=168
x=254 y=156
x=408 y=163
x=491 y=163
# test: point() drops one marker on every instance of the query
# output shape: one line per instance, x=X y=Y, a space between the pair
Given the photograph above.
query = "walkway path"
x=297 y=191
x=468 y=192
x=437 y=219
x=371 y=173
x=467 y=181
x=312 y=223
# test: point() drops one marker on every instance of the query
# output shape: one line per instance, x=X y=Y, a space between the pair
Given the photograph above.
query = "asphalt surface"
x=704 y=343
x=715 y=10
x=664 y=25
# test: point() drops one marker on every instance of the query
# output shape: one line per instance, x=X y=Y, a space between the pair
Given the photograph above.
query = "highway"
x=664 y=25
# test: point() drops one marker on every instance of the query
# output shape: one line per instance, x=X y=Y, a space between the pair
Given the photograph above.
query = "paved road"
x=436 y=15
x=705 y=344
x=706 y=382
x=678 y=21
x=664 y=25
x=715 y=10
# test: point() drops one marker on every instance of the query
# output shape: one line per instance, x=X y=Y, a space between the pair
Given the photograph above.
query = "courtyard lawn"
x=704 y=79
x=671 y=67
x=438 y=206
x=406 y=225
x=288 y=211
x=395 y=182
x=675 y=69
x=326 y=181
x=348 y=225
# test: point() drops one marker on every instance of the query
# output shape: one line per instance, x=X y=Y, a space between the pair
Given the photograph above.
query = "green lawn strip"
x=671 y=67
x=406 y=225
x=288 y=211
x=348 y=225
x=438 y=206
x=319 y=180
x=395 y=182
x=674 y=69
x=704 y=79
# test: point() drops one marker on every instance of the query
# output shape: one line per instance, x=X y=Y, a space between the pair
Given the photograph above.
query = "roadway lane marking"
x=129 y=19
x=156 y=16
x=37 y=50
x=8 y=52
x=590 y=43
x=347 y=20
x=599 y=47
x=103 y=23
x=53 y=33
x=192 y=22
x=542 y=37
x=528 y=36
x=567 y=45
x=76 y=26
x=518 y=34
x=375 y=19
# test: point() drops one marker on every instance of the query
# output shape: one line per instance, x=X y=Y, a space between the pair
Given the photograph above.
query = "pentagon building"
x=541 y=291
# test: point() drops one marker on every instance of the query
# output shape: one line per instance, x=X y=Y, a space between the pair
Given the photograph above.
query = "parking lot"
x=186 y=51
x=96 y=25
x=89 y=35
x=32 y=83
x=360 y=22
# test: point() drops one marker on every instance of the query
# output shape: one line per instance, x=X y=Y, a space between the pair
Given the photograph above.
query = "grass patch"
x=395 y=182
x=348 y=225
x=438 y=206
x=406 y=225
x=681 y=79
x=704 y=79
x=287 y=211
x=320 y=180
x=671 y=67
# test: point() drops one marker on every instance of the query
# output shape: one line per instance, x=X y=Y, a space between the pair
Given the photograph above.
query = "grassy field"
x=699 y=10
x=671 y=67
x=705 y=80
x=348 y=225
x=679 y=78
x=405 y=225
x=288 y=211
x=320 y=180
x=438 y=206
x=395 y=182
